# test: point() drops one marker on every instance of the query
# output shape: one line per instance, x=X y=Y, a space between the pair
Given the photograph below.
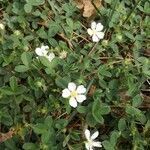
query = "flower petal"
x=51 y=56
x=38 y=51
x=87 y=134
x=73 y=102
x=100 y=35
x=97 y=144
x=88 y=146
x=90 y=31
x=81 y=89
x=72 y=86
x=44 y=47
x=95 y=38
x=99 y=27
x=80 y=98
x=95 y=135
x=93 y=25
x=65 y=93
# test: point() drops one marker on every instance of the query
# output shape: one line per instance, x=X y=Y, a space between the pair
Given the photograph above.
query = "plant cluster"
x=72 y=83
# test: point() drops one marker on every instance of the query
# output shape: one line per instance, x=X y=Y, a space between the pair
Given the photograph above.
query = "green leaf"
x=136 y=101
x=53 y=29
x=147 y=7
x=7 y=91
x=42 y=34
x=104 y=109
x=52 y=42
x=96 y=111
x=48 y=121
x=129 y=35
x=45 y=61
x=138 y=114
x=35 y=2
x=66 y=140
x=61 y=123
x=90 y=120
x=46 y=137
x=39 y=128
x=29 y=146
x=81 y=109
x=107 y=145
x=122 y=124
x=75 y=136
x=62 y=82
x=6 y=120
x=21 y=68
x=27 y=8
x=26 y=58
x=70 y=23
x=113 y=138
x=102 y=70
x=13 y=83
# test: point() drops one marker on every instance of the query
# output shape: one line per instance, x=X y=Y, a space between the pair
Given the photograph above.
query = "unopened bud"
x=2 y=27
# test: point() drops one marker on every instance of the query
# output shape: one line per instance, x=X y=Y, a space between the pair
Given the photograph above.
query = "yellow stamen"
x=74 y=93
x=94 y=31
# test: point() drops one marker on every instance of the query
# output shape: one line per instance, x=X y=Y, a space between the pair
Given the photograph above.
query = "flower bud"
x=127 y=61
x=63 y=55
x=119 y=37
x=17 y=32
x=105 y=42
x=2 y=27
x=39 y=84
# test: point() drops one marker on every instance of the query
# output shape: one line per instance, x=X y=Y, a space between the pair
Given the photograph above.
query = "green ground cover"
x=64 y=76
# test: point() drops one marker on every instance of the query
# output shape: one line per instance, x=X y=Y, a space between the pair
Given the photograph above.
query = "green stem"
x=131 y=12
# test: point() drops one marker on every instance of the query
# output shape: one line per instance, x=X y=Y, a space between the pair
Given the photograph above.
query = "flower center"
x=90 y=143
x=74 y=93
x=94 y=31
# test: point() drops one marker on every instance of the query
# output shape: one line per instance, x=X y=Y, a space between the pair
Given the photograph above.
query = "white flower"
x=2 y=27
x=43 y=51
x=96 y=31
x=90 y=143
x=76 y=94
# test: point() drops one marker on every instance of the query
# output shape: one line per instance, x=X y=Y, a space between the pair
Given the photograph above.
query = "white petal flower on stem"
x=91 y=143
x=96 y=31
x=76 y=94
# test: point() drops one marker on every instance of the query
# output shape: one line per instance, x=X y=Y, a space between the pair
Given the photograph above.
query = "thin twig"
x=96 y=7
x=104 y=58
x=81 y=37
x=148 y=82
x=145 y=90
x=67 y=40
x=92 y=50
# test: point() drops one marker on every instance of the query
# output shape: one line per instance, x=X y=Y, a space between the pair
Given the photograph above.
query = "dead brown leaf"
x=5 y=136
x=87 y=6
